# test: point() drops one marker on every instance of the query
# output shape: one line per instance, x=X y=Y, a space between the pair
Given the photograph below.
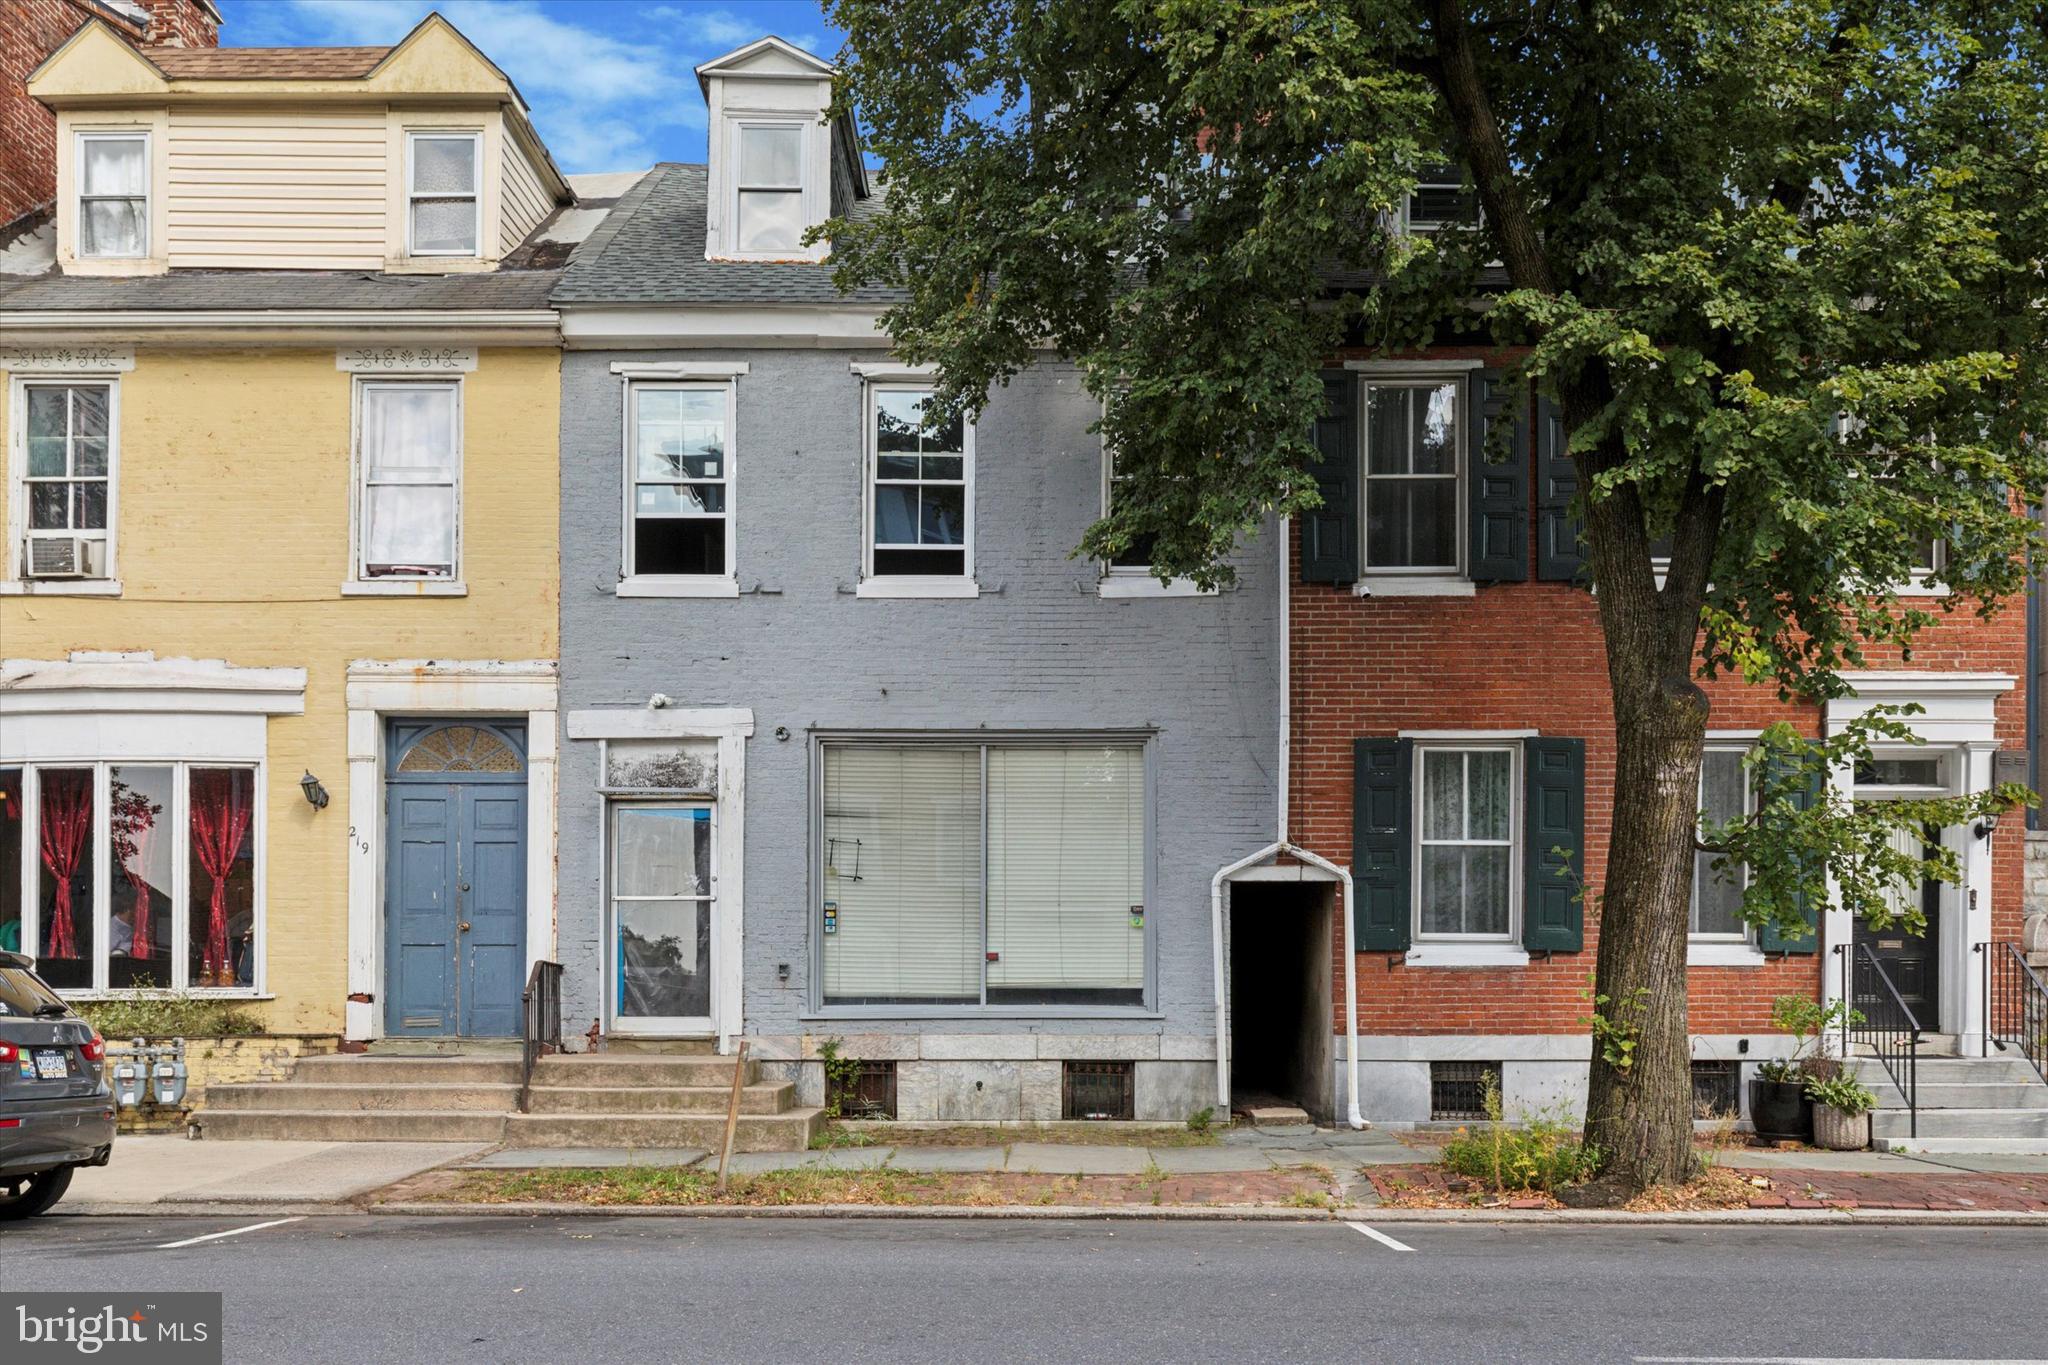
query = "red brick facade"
x=1529 y=656
x=31 y=30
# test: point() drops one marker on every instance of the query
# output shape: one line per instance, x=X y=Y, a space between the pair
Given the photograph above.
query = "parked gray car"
x=56 y=1111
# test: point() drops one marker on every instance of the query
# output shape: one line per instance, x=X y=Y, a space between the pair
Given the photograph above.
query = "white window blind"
x=1066 y=839
x=410 y=461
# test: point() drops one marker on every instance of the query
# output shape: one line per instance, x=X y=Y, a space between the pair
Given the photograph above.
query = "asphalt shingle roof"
x=651 y=250
x=266 y=63
x=204 y=290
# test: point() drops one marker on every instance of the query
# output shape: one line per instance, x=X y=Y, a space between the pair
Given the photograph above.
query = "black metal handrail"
x=541 y=1029
x=1879 y=1018
x=2015 y=1004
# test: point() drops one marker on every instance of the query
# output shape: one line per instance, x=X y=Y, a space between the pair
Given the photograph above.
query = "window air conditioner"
x=63 y=557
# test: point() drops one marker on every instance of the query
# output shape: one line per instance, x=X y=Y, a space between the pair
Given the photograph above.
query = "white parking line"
x=1817 y=1360
x=1380 y=1237
x=231 y=1232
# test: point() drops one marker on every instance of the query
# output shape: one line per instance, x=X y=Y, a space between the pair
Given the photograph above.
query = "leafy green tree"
x=1779 y=263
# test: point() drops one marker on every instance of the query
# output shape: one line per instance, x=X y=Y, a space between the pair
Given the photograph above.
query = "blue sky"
x=609 y=81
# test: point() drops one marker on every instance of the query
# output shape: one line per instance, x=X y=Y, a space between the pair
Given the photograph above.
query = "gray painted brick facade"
x=1038 y=650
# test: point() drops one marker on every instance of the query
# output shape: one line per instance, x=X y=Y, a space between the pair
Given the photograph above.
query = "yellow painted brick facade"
x=233 y=543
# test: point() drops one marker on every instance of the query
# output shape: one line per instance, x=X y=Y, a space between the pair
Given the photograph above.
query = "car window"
x=21 y=992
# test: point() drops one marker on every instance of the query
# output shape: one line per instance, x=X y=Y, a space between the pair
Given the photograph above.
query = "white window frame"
x=736 y=124
x=1512 y=939
x=962 y=584
x=79 y=196
x=1388 y=579
x=15 y=577
x=1133 y=580
x=401 y=585
x=1430 y=182
x=1747 y=936
x=632 y=583
x=100 y=911
x=476 y=195
x=617 y=1022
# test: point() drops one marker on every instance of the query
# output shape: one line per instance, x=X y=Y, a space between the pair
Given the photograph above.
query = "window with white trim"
x=139 y=875
x=768 y=188
x=920 y=488
x=444 y=193
x=1467 y=815
x=1414 y=431
x=113 y=195
x=1441 y=199
x=964 y=875
x=679 y=481
x=408 y=478
x=1726 y=794
x=64 y=463
x=1136 y=559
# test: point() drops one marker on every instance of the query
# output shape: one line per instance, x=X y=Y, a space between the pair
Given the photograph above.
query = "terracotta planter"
x=1840 y=1132
x=1780 y=1111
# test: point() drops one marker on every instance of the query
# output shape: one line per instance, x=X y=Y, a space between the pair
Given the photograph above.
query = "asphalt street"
x=360 y=1289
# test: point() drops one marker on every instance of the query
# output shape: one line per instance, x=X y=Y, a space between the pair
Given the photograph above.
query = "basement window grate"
x=1097 y=1090
x=1716 y=1090
x=871 y=1094
x=1457 y=1090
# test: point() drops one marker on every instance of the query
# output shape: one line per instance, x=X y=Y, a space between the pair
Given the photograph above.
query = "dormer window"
x=442 y=194
x=769 y=188
x=113 y=195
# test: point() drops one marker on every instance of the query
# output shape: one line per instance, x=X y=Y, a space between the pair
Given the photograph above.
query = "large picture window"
x=679 y=481
x=983 y=875
x=409 y=473
x=66 y=443
x=131 y=875
x=920 y=488
x=1413 y=431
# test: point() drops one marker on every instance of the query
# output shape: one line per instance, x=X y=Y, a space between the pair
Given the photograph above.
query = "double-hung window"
x=966 y=875
x=443 y=193
x=769 y=188
x=1441 y=199
x=1136 y=558
x=1725 y=795
x=1466 y=819
x=679 y=482
x=1414 y=430
x=113 y=195
x=66 y=458
x=409 y=478
x=920 y=489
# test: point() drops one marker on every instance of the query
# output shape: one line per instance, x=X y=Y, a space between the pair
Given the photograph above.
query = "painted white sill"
x=60 y=587
x=1413 y=585
x=1466 y=955
x=405 y=587
x=1137 y=583
x=190 y=993
x=1711 y=954
x=917 y=587
x=1921 y=587
x=653 y=585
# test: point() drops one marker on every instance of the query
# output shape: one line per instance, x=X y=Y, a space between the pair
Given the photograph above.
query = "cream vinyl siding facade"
x=522 y=201
x=278 y=190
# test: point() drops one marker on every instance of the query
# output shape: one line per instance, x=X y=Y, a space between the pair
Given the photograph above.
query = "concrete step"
x=1962 y=1123
x=1964 y=1146
x=349 y=1125
x=1954 y=1071
x=789 y=1131
x=360 y=1069
x=645 y=1071
x=761 y=1098
x=1967 y=1095
x=445 y=1047
x=661 y=1047
x=362 y=1098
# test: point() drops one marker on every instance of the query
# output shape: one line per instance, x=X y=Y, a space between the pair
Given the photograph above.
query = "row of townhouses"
x=422 y=565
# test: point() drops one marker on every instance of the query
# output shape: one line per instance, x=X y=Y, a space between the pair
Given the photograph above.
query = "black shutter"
x=1560 y=550
x=1553 y=912
x=1768 y=936
x=1329 y=534
x=1380 y=843
x=1500 y=491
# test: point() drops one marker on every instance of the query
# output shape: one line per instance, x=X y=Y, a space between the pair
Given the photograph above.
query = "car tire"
x=25 y=1196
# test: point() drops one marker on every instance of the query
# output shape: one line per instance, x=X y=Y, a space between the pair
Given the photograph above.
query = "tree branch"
x=1486 y=152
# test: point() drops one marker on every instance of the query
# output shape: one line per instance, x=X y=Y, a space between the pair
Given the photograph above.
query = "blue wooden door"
x=455 y=881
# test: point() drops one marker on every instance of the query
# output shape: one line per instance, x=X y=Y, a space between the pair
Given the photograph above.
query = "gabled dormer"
x=778 y=167
x=418 y=157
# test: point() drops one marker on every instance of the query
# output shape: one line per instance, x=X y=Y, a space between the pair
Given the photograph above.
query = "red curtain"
x=66 y=821
x=220 y=819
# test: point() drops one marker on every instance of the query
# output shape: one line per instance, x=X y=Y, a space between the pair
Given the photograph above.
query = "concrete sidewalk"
x=150 y=1171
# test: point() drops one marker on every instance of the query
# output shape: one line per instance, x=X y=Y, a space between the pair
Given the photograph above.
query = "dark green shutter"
x=1768 y=936
x=1380 y=842
x=1329 y=534
x=1500 y=481
x=1553 y=918
x=1560 y=549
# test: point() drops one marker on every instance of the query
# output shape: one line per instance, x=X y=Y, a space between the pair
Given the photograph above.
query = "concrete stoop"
x=1967 y=1104
x=638 y=1099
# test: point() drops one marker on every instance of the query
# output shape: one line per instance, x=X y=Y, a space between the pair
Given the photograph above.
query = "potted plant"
x=1841 y=1112
x=1779 y=1109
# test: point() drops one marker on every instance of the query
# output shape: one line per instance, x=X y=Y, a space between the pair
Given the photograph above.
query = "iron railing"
x=2015 y=1004
x=541 y=1031
x=1879 y=1018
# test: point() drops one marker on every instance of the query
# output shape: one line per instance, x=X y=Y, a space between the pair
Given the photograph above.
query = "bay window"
x=963 y=875
x=409 y=478
x=131 y=875
x=113 y=195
